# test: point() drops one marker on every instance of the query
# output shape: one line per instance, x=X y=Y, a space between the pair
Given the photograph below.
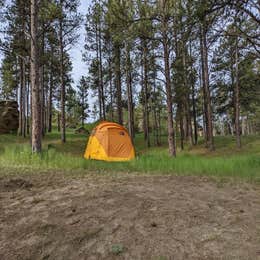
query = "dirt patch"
x=14 y=184
x=129 y=218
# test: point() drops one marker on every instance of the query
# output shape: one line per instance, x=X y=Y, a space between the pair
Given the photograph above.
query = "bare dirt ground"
x=133 y=217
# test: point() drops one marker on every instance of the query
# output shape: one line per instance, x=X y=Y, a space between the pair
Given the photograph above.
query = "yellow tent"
x=109 y=142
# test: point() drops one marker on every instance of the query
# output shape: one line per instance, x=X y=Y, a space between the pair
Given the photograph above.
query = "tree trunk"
x=118 y=83
x=83 y=108
x=194 y=110
x=145 y=83
x=16 y=80
x=22 y=90
x=99 y=81
x=159 y=126
x=194 y=114
x=36 y=105
x=58 y=121
x=188 y=118
x=155 y=128
x=232 y=75
x=50 y=102
x=111 y=91
x=181 y=128
x=171 y=135
x=42 y=83
x=82 y=114
x=24 y=98
x=205 y=78
x=187 y=99
x=101 y=74
x=237 y=100
x=155 y=114
x=28 y=106
x=203 y=108
x=31 y=109
x=22 y=112
x=129 y=93
x=63 y=90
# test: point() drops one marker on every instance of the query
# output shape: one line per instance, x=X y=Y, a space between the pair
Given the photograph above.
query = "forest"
x=180 y=79
x=184 y=68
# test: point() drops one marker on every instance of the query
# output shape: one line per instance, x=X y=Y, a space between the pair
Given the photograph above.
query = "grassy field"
x=226 y=161
x=58 y=205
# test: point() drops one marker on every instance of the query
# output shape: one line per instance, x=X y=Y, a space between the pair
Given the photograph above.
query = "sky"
x=79 y=67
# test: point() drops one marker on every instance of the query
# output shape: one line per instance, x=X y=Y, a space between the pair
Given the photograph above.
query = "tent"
x=109 y=142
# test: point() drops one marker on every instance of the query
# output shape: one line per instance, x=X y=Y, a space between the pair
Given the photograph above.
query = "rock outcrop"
x=82 y=130
x=9 y=117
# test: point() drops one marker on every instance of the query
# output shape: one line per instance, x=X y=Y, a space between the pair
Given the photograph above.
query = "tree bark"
x=28 y=105
x=181 y=127
x=101 y=74
x=58 y=121
x=145 y=83
x=82 y=111
x=155 y=114
x=237 y=100
x=206 y=90
x=118 y=83
x=111 y=90
x=194 y=110
x=50 y=101
x=24 y=98
x=194 y=114
x=187 y=99
x=42 y=83
x=22 y=90
x=99 y=81
x=171 y=135
x=36 y=105
x=129 y=93
x=63 y=90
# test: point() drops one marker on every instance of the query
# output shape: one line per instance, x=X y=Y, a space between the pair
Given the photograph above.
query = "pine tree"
x=68 y=22
x=83 y=89
x=36 y=104
x=94 y=47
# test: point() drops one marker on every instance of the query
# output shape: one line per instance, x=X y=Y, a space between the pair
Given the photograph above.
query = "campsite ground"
x=57 y=216
x=62 y=207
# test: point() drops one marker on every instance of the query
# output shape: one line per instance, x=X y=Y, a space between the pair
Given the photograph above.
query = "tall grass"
x=153 y=161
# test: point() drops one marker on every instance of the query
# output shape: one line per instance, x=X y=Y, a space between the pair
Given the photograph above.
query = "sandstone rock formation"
x=9 y=117
x=82 y=130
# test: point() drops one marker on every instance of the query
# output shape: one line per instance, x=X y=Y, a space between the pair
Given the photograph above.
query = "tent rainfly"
x=109 y=142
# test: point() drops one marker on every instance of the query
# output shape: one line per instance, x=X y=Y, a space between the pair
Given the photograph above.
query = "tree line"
x=190 y=65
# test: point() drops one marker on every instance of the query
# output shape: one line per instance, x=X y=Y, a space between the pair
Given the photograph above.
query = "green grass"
x=226 y=161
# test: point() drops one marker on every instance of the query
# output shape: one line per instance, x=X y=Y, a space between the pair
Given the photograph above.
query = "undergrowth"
x=196 y=161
